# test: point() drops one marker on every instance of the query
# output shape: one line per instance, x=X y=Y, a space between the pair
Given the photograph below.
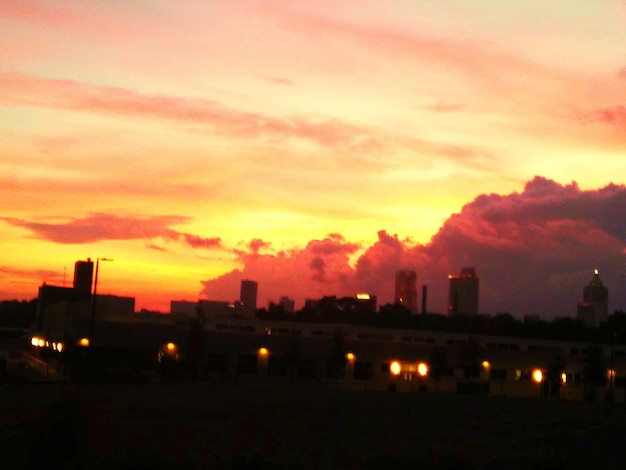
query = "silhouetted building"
x=247 y=296
x=463 y=296
x=79 y=292
x=424 y=297
x=83 y=275
x=70 y=318
x=209 y=308
x=114 y=307
x=366 y=302
x=594 y=308
x=50 y=295
x=331 y=306
x=289 y=306
x=406 y=290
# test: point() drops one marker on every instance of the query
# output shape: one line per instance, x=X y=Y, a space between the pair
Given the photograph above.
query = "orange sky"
x=169 y=135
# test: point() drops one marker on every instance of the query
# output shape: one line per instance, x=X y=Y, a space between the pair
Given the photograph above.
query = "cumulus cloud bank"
x=534 y=252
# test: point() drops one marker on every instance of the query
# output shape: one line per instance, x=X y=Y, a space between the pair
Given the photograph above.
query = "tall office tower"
x=83 y=273
x=463 y=297
x=406 y=290
x=595 y=306
x=247 y=295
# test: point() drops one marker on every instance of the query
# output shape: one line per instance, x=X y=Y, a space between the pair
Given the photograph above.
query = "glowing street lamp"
x=395 y=368
x=422 y=369
x=537 y=376
x=350 y=357
x=263 y=352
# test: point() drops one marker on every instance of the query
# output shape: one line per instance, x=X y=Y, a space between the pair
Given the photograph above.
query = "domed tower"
x=595 y=306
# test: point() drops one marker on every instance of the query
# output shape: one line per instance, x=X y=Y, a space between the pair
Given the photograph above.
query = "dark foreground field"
x=218 y=426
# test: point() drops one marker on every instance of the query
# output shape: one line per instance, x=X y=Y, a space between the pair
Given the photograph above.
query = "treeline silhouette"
x=348 y=312
x=17 y=313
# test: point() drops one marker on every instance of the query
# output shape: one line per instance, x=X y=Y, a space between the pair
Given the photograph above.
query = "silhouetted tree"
x=17 y=313
x=273 y=312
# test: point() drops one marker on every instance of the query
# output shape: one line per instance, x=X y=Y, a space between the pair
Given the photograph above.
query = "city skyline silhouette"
x=300 y=143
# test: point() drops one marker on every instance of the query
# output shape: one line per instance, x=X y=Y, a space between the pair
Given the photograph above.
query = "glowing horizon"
x=182 y=139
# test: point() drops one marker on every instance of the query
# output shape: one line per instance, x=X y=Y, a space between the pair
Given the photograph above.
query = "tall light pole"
x=93 y=298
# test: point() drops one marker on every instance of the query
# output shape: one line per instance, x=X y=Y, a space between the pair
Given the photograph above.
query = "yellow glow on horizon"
x=354 y=157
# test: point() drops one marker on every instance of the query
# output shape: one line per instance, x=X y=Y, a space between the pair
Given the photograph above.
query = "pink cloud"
x=534 y=252
x=257 y=245
x=321 y=268
x=440 y=107
x=478 y=60
x=100 y=226
x=100 y=22
x=22 y=89
x=28 y=90
x=615 y=115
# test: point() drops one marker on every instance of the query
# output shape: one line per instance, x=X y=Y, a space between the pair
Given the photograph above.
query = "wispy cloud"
x=440 y=107
x=615 y=115
x=28 y=90
x=102 y=226
x=477 y=59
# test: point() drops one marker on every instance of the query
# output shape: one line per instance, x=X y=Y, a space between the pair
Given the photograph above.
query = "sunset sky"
x=315 y=147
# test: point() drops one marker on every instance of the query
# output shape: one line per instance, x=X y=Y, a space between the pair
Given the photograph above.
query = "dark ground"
x=226 y=426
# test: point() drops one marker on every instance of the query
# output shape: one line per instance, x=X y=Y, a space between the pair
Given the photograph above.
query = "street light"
x=93 y=298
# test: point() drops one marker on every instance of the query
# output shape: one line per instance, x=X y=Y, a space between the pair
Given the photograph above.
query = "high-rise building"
x=463 y=296
x=595 y=306
x=247 y=295
x=83 y=275
x=406 y=290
